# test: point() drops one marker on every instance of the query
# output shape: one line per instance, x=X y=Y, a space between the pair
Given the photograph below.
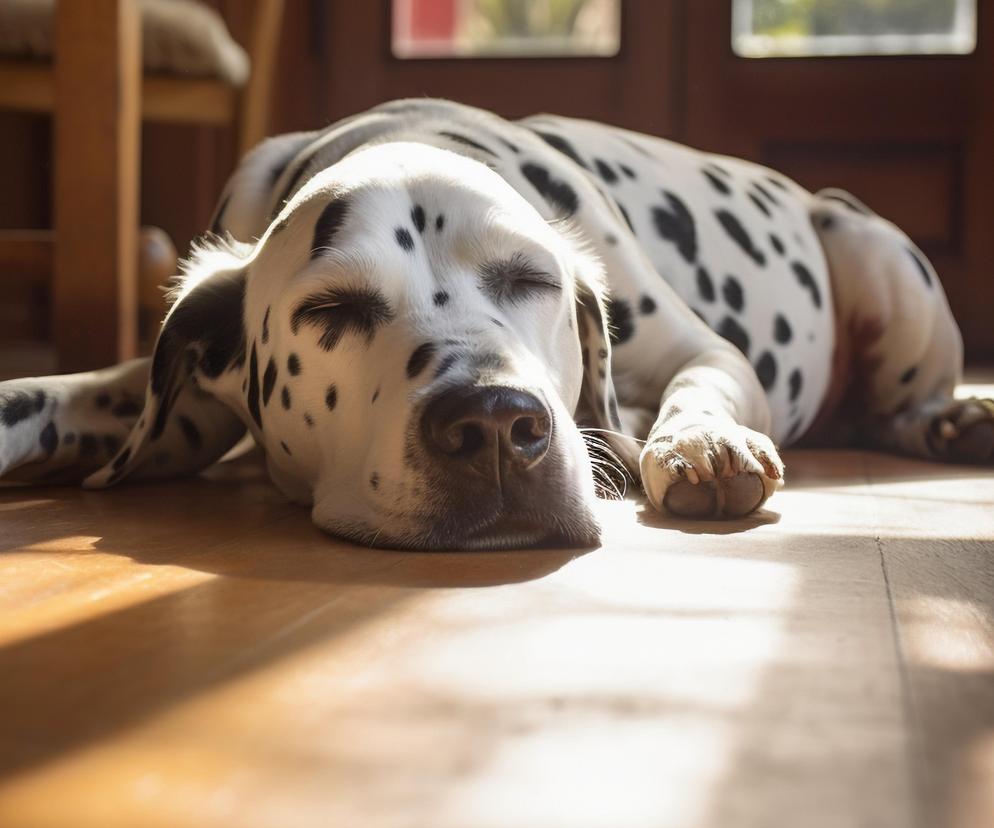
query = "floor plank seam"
x=921 y=772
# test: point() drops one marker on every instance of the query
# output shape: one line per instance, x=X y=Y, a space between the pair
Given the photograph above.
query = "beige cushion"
x=179 y=37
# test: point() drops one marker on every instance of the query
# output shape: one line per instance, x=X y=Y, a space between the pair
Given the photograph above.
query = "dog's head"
x=409 y=341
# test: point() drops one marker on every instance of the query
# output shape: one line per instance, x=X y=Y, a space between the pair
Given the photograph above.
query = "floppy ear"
x=199 y=360
x=597 y=393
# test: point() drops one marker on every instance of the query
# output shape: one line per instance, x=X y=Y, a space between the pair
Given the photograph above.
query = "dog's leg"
x=60 y=429
x=907 y=350
x=707 y=455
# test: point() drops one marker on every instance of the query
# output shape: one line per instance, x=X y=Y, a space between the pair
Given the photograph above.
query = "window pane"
x=506 y=28
x=801 y=28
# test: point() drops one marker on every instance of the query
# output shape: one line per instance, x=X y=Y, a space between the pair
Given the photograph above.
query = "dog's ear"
x=597 y=393
x=198 y=362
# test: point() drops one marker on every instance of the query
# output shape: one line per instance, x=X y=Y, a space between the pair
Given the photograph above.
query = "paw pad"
x=724 y=497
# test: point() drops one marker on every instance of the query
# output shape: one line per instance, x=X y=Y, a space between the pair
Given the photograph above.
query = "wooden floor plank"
x=196 y=653
x=938 y=547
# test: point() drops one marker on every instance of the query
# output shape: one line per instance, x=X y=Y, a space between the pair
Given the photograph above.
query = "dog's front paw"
x=715 y=470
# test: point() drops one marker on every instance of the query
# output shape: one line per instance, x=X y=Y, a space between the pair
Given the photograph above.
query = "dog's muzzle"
x=499 y=472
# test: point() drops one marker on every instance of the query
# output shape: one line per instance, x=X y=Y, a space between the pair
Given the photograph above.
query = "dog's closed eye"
x=515 y=279
x=340 y=311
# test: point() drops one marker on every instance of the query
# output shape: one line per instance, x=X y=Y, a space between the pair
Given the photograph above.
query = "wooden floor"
x=198 y=654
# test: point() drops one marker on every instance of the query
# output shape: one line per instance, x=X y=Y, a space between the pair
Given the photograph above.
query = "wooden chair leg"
x=97 y=136
x=27 y=259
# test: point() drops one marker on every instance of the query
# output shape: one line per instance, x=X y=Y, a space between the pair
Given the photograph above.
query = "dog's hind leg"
x=904 y=350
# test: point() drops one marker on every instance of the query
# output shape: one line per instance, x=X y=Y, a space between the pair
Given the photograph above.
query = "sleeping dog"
x=450 y=330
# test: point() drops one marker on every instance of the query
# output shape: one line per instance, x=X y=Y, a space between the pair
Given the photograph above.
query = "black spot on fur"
x=776 y=183
x=190 y=432
x=328 y=224
x=340 y=311
x=268 y=381
x=732 y=291
x=253 y=389
x=766 y=370
x=705 y=287
x=88 y=444
x=825 y=221
x=127 y=408
x=795 y=382
x=782 y=332
x=734 y=333
x=627 y=171
x=68 y=438
x=331 y=397
x=418 y=217
x=620 y=322
x=374 y=480
x=102 y=400
x=293 y=364
x=49 y=439
x=403 y=236
x=511 y=146
x=265 y=325
x=765 y=193
x=16 y=406
x=675 y=224
x=497 y=322
x=625 y=216
x=740 y=236
x=309 y=420
x=605 y=172
x=439 y=222
x=717 y=183
x=647 y=305
x=285 y=398
x=446 y=364
x=121 y=459
x=908 y=376
x=420 y=358
x=921 y=267
x=562 y=145
x=557 y=193
x=286 y=448
x=777 y=244
x=111 y=443
x=440 y=298
x=807 y=281
x=467 y=142
x=760 y=204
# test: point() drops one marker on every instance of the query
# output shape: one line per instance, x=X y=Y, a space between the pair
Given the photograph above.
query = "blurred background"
x=890 y=99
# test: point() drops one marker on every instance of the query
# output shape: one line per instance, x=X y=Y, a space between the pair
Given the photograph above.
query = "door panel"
x=910 y=136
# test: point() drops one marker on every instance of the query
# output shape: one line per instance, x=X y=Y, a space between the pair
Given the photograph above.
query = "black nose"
x=488 y=428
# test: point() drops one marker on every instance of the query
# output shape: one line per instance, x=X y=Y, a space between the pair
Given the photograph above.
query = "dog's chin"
x=501 y=530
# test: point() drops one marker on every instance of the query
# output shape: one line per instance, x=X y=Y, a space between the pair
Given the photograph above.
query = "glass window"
x=506 y=28
x=807 y=28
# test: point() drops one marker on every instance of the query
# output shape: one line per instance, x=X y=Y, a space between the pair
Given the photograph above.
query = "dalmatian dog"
x=450 y=330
